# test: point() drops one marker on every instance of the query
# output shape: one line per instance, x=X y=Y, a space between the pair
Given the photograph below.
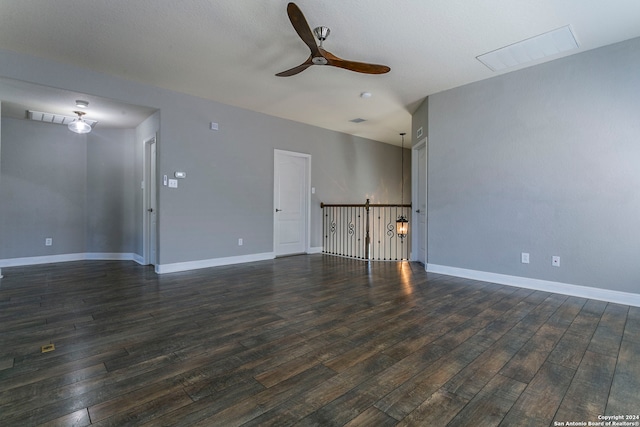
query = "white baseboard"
x=50 y=259
x=315 y=250
x=617 y=297
x=139 y=259
x=214 y=262
x=109 y=256
x=160 y=269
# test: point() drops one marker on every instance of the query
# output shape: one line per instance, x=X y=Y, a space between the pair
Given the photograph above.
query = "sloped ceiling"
x=229 y=50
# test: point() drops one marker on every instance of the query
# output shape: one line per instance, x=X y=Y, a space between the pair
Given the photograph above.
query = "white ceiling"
x=229 y=50
x=18 y=97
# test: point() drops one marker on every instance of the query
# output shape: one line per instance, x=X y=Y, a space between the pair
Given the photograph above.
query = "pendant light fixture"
x=402 y=223
x=79 y=125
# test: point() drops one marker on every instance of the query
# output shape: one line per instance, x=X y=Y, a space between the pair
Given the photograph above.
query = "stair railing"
x=365 y=231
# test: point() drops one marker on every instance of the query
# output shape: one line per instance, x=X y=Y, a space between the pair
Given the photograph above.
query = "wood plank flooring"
x=307 y=341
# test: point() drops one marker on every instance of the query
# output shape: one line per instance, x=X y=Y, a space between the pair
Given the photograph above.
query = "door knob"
x=417 y=210
x=150 y=210
x=278 y=210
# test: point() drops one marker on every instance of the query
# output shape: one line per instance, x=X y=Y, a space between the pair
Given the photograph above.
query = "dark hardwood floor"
x=306 y=340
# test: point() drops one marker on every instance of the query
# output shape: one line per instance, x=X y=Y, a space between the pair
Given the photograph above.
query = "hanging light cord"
x=402 y=171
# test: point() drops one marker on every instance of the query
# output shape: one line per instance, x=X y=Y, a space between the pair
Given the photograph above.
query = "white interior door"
x=150 y=205
x=420 y=196
x=291 y=202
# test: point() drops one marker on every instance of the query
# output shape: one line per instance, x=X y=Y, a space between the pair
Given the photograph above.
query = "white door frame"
x=307 y=202
x=149 y=185
x=415 y=248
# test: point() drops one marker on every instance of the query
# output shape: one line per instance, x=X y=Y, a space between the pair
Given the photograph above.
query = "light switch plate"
x=173 y=183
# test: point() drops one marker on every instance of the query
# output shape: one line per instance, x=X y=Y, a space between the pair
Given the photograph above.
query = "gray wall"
x=111 y=191
x=230 y=177
x=0 y=142
x=76 y=189
x=420 y=119
x=544 y=160
x=229 y=171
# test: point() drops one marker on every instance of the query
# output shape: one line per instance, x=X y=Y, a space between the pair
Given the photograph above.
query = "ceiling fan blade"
x=358 y=67
x=295 y=70
x=302 y=28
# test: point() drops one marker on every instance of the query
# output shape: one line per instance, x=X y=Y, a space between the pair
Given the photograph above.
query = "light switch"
x=173 y=183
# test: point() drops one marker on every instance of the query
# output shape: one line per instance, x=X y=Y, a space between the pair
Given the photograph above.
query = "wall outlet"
x=555 y=261
x=240 y=242
x=48 y=241
x=524 y=258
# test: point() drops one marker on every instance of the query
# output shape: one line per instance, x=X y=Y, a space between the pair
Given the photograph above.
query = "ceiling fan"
x=319 y=56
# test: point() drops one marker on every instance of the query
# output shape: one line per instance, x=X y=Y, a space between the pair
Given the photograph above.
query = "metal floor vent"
x=47 y=348
x=57 y=119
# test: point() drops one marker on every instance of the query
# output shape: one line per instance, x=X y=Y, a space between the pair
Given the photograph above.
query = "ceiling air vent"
x=358 y=120
x=547 y=44
x=57 y=119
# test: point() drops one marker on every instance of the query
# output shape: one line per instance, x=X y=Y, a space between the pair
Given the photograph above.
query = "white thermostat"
x=180 y=174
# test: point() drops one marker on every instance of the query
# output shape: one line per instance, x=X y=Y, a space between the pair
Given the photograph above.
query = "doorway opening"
x=150 y=209
x=419 y=187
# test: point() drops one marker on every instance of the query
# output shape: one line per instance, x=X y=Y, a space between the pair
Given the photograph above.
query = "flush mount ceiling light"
x=79 y=125
x=529 y=50
x=82 y=104
x=365 y=95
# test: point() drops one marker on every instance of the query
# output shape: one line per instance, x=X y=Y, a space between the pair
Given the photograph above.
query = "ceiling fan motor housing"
x=322 y=33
